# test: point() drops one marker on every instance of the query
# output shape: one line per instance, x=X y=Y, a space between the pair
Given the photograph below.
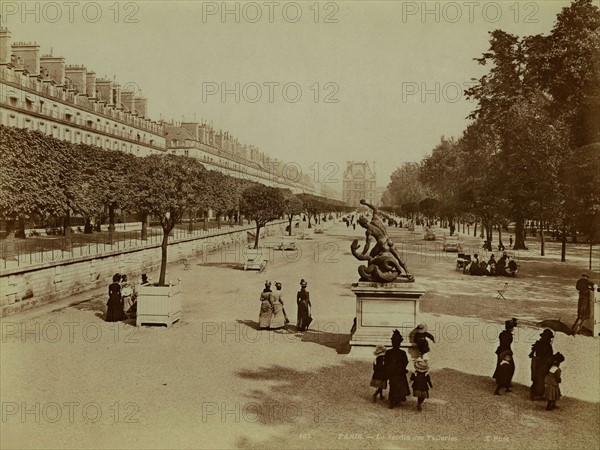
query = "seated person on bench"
x=475 y=269
x=512 y=267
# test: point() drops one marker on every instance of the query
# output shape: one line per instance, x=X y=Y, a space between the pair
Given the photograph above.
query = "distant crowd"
x=505 y=266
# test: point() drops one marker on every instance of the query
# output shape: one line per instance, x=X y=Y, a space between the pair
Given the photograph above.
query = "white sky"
x=373 y=55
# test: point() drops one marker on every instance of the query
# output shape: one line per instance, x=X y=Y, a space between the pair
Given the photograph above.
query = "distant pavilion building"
x=359 y=183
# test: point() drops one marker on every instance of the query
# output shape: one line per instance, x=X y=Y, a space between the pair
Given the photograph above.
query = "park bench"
x=253 y=260
x=286 y=243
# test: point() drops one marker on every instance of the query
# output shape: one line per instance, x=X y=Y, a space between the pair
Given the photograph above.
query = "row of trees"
x=42 y=177
x=532 y=149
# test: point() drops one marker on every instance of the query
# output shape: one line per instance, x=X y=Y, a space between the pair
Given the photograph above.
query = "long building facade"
x=42 y=93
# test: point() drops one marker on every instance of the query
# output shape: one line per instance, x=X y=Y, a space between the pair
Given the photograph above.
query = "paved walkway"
x=70 y=380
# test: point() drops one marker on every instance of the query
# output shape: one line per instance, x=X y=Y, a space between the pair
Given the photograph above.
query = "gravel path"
x=212 y=380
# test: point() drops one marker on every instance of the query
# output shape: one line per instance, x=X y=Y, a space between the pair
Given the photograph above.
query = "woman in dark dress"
x=541 y=361
x=114 y=311
x=506 y=339
x=395 y=362
x=304 y=305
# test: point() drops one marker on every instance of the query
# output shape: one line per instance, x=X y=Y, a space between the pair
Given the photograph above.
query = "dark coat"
x=379 y=372
x=421 y=381
x=504 y=374
x=541 y=361
x=395 y=363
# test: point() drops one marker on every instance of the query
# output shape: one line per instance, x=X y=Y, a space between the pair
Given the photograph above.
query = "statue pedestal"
x=382 y=308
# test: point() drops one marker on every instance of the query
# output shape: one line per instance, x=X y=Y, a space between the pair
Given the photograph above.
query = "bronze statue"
x=384 y=263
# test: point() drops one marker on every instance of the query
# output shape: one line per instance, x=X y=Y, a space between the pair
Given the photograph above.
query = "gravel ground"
x=212 y=380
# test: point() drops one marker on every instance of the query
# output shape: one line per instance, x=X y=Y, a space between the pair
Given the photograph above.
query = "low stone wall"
x=44 y=283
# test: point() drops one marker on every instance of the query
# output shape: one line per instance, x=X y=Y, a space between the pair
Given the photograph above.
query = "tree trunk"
x=9 y=242
x=145 y=220
x=88 y=228
x=218 y=221
x=563 y=247
x=239 y=217
x=205 y=221
x=67 y=230
x=290 y=218
x=191 y=223
x=20 y=229
x=499 y=233
x=98 y=224
x=163 y=256
x=111 y=223
x=475 y=228
x=591 y=248
x=542 y=240
x=520 y=234
x=256 y=237
x=308 y=215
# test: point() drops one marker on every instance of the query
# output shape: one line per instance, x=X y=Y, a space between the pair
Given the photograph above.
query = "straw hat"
x=379 y=350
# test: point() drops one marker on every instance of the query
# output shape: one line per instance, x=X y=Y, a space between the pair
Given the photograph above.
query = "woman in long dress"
x=114 y=311
x=541 y=361
x=395 y=362
x=126 y=295
x=278 y=320
x=505 y=341
x=266 y=307
x=304 y=305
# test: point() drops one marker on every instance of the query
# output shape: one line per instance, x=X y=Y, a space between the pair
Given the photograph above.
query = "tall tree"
x=262 y=204
x=292 y=206
x=171 y=184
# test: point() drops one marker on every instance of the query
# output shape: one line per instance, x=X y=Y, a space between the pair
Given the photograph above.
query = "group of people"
x=505 y=266
x=122 y=296
x=545 y=366
x=390 y=367
x=272 y=314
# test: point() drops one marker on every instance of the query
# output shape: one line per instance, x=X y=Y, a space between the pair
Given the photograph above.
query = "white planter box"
x=158 y=304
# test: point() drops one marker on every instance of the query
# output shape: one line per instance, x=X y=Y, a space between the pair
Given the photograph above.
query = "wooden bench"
x=253 y=260
x=287 y=243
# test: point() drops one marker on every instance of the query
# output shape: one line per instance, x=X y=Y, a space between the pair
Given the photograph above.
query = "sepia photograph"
x=310 y=224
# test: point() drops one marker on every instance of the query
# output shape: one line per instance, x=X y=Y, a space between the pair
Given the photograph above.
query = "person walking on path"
x=266 y=307
x=552 y=381
x=585 y=288
x=304 y=307
x=541 y=360
x=379 y=380
x=278 y=320
x=395 y=363
x=506 y=340
x=421 y=381
x=114 y=311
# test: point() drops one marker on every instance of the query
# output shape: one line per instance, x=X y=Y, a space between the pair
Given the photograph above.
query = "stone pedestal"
x=382 y=308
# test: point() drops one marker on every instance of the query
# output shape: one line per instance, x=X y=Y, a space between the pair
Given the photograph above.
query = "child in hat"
x=379 y=379
x=421 y=381
x=504 y=372
x=552 y=381
x=421 y=333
